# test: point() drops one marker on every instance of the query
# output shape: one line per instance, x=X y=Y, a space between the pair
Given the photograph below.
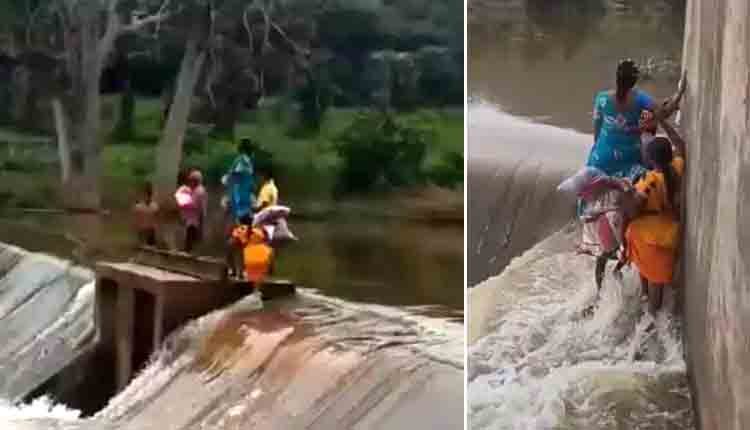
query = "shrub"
x=380 y=151
x=449 y=172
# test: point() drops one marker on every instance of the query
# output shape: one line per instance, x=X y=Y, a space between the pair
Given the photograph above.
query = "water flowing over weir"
x=534 y=362
x=515 y=165
x=46 y=318
x=541 y=365
x=306 y=362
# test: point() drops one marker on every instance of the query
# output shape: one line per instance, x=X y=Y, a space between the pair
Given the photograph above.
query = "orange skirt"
x=257 y=258
x=654 y=262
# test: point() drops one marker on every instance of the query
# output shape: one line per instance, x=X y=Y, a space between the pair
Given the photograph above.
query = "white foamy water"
x=46 y=321
x=541 y=365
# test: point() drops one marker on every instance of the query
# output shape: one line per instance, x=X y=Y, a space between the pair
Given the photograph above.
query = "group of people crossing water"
x=628 y=192
x=254 y=222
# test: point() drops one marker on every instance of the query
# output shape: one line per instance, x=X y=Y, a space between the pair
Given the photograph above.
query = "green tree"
x=379 y=151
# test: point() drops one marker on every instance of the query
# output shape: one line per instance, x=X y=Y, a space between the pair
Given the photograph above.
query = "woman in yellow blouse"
x=268 y=194
x=652 y=238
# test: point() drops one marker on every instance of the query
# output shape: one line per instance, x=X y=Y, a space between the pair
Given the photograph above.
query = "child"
x=191 y=200
x=145 y=213
x=648 y=133
x=257 y=254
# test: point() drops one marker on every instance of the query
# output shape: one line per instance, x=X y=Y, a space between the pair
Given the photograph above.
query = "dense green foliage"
x=307 y=165
x=348 y=35
x=379 y=150
x=317 y=115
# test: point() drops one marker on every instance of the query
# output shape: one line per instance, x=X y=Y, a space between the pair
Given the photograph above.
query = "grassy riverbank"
x=306 y=164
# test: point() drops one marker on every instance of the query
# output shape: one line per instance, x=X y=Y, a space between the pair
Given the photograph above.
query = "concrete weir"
x=716 y=257
x=138 y=303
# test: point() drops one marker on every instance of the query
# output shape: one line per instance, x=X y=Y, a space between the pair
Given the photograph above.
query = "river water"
x=342 y=256
x=534 y=361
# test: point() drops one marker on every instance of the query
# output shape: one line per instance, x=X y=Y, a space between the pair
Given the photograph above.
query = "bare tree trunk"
x=169 y=153
x=82 y=188
x=63 y=139
x=21 y=88
x=87 y=50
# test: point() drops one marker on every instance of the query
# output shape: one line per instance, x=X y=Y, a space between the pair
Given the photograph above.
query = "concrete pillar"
x=124 y=324
x=716 y=254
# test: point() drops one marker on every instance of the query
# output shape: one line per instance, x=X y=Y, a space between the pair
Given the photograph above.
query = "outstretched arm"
x=671 y=104
x=675 y=137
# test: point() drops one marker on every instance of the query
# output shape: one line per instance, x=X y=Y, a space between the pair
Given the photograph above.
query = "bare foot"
x=617 y=273
x=588 y=311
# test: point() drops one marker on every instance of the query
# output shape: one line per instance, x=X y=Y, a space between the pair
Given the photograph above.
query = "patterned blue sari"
x=616 y=150
x=617 y=147
x=241 y=187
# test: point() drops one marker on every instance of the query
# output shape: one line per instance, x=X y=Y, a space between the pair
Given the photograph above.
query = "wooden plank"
x=204 y=268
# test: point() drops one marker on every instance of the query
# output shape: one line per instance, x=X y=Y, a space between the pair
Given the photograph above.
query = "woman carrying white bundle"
x=606 y=202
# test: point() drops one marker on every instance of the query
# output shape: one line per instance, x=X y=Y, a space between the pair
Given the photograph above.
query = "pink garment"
x=201 y=196
x=603 y=223
x=596 y=186
x=192 y=204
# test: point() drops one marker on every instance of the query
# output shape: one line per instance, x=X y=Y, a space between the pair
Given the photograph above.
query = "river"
x=372 y=340
x=534 y=362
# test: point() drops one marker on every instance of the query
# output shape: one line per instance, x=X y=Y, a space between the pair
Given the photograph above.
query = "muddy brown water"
x=381 y=261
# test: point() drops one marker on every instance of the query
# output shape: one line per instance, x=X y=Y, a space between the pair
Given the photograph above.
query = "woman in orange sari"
x=652 y=237
x=257 y=254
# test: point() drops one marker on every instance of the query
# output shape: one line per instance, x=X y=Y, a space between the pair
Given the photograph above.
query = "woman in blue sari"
x=241 y=183
x=240 y=188
x=616 y=149
x=616 y=152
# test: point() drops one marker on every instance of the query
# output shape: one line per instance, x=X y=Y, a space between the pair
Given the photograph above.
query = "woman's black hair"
x=246 y=220
x=266 y=169
x=246 y=146
x=627 y=76
x=182 y=177
x=148 y=190
x=660 y=154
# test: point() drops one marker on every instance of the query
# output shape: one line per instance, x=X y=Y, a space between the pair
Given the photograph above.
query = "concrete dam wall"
x=716 y=256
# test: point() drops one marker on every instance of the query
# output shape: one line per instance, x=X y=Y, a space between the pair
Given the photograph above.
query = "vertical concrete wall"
x=717 y=228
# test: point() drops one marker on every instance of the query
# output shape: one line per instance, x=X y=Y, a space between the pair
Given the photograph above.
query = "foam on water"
x=542 y=365
x=40 y=408
x=438 y=338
